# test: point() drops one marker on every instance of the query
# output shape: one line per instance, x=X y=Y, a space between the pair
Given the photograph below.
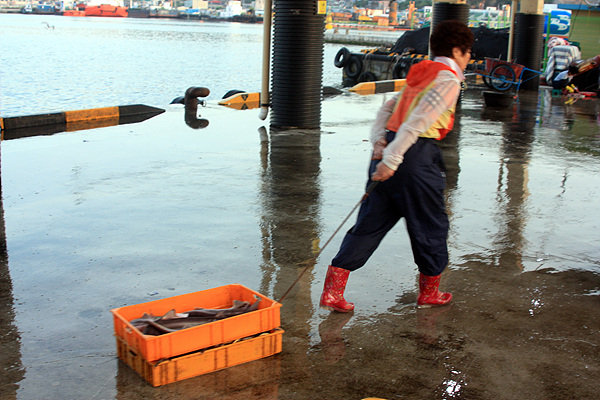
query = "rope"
x=367 y=193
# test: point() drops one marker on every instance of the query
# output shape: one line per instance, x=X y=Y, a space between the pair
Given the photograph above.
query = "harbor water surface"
x=54 y=63
x=109 y=217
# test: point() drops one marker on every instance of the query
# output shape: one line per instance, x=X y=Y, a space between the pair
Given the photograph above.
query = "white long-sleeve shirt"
x=559 y=59
x=442 y=96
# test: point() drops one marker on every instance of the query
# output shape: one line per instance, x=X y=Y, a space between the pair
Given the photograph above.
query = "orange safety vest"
x=419 y=81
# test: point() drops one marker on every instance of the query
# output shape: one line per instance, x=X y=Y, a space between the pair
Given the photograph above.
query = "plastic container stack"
x=204 y=348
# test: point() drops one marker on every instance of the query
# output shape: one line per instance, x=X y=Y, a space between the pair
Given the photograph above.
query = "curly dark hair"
x=450 y=34
x=573 y=69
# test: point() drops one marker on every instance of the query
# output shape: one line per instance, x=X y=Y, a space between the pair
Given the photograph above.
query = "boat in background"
x=163 y=12
x=105 y=8
x=69 y=9
x=154 y=12
x=73 y=13
x=166 y=10
x=138 y=12
x=38 y=8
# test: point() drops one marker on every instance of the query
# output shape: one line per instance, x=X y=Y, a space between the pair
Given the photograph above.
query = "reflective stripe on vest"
x=411 y=95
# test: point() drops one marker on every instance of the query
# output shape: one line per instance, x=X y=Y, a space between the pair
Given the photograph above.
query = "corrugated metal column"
x=297 y=63
x=449 y=10
x=528 y=41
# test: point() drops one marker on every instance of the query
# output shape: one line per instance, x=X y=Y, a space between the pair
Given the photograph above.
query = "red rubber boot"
x=429 y=295
x=333 y=290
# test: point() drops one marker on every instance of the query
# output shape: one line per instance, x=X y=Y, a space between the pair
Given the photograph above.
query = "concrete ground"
x=104 y=218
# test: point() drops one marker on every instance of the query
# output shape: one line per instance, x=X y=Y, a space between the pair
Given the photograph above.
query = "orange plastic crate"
x=153 y=348
x=175 y=369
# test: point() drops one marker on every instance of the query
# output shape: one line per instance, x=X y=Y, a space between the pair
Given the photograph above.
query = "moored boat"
x=106 y=8
x=73 y=13
x=387 y=63
x=164 y=11
x=138 y=13
x=39 y=8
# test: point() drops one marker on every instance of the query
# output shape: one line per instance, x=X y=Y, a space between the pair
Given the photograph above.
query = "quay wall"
x=362 y=37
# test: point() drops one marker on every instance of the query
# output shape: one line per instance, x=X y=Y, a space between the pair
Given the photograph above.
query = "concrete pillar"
x=511 y=36
x=532 y=7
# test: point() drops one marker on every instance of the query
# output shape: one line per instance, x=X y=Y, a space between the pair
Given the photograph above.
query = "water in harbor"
x=53 y=63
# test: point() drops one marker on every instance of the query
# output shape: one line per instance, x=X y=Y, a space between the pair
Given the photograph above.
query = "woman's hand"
x=382 y=173
x=378 y=149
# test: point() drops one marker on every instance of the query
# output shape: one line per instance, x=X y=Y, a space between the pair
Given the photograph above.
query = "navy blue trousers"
x=416 y=193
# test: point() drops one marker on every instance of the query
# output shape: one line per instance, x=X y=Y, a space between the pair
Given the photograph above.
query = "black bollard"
x=192 y=120
x=191 y=107
x=192 y=94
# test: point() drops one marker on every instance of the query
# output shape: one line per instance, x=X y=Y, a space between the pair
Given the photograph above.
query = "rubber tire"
x=400 y=70
x=349 y=82
x=367 y=76
x=486 y=80
x=342 y=58
x=502 y=77
x=354 y=67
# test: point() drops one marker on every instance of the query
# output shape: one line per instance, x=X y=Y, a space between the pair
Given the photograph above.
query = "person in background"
x=563 y=80
x=588 y=75
x=408 y=166
x=560 y=55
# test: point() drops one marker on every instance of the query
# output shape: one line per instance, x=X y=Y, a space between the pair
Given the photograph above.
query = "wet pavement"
x=122 y=215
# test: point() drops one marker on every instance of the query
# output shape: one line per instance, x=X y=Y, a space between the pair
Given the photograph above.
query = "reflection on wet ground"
x=116 y=216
